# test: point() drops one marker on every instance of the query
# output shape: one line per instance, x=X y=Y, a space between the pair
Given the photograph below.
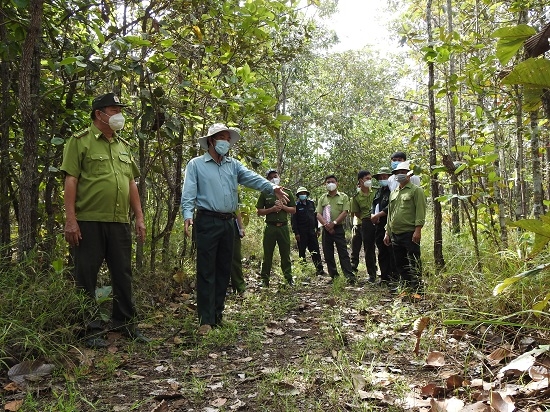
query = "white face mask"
x=331 y=187
x=276 y=180
x=401 y=178
x=116 y=121
x=367 y=183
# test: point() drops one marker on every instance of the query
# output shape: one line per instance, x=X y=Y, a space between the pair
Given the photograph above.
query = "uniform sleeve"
x=71 y=158
x=420 y=202
x=260 y=204
x=345 y=204
x=189 y=191
x=354 y=206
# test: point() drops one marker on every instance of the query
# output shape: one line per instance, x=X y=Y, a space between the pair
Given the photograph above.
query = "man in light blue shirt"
x=210 y=187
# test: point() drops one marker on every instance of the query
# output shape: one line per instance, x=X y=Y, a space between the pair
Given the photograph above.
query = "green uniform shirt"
x=104 y=170
x=407 y=209
x=267 y=201
x=338 y=203
x=361 y=203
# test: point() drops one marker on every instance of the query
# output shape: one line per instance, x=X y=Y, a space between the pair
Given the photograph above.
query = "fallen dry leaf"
x=418 y=327
x=448 y=405
x=435 y=359
x=497 y=355
x=501 y=403
x=454 y=382
x=13 y=405
x=161 y=407
x=30 y=371
x=477 y=407
x=358 y=381
x=219 y=402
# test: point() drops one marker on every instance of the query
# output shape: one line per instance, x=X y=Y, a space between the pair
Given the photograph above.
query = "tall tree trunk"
x=5 y=81
x=29 y=82
x=438 y=233
x=537 y=175
x=519 y=187
x=451 y=128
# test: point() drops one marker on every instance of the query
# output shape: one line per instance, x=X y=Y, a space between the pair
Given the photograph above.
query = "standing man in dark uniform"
x=305 y=228
x=379 y=217
x=276 y=230
x=99 y=192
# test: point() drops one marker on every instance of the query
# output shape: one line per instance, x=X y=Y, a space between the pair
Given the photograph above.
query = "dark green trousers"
x=110 y=242
x=276 y=235
x=237 y=279
x=215 y=238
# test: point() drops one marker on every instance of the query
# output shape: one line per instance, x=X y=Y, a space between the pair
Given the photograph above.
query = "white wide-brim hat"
x=234 y=135
x=406 y=165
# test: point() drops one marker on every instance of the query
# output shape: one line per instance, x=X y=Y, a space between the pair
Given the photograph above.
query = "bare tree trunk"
x=29 y=82
x=537 y=175
x=5 y=81
x=438 y=233
x=451 y=129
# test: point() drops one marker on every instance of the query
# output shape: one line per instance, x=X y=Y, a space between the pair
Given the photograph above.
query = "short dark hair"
x=330 y=177
x=400 y=155
x=362 y=174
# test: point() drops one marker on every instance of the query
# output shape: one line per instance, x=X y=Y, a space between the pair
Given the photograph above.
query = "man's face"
x=222 y=136
x=364 y=179
x=105 y=112
x=331 y=180
x=272 y=175
x=397 y=159
x=383 y=177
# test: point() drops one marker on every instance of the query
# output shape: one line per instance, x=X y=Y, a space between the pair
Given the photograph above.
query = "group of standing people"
x=100 y=190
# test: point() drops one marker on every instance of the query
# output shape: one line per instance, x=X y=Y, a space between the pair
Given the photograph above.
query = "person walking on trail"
x=396 y=158
x=237 y=279
x=276 y=230
x=210 y=187
x=306 y=229
x=361 y=205
x=406 y=217
x=332 y=210
x=379 y=218
x=99 y=192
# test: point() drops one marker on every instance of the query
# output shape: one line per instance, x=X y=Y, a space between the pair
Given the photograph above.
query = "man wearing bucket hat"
x=406 y=217
x=276 y=230
x=210 y=188
x=397 y=158
x=306 y=229
x=99 y=192
x=379 y=217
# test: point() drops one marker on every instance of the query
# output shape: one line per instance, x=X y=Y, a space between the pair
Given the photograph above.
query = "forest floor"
x=314 y=346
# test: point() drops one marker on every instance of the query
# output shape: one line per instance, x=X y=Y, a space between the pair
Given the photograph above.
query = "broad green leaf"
x=511 y=280
x=511 y=39
x=57 y=141
x=532 y=225
x=137 y=41
x=539 y=244
x=531 y=72
x=68 y=60
x=21 y=4
x=540 y=306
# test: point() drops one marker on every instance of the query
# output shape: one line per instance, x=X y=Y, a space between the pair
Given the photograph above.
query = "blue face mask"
x=394 y=164
x=302 y=197
x=222 y=147
x=383 y=183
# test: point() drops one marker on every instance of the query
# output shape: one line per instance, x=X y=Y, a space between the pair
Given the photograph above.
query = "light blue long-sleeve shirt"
x=212 y=186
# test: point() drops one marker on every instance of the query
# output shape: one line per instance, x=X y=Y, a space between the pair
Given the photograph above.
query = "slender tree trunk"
x=521 y=207
x=451 y=128
x=438 y=233
x=29 y=82
x=5 y=201
x=537 y=175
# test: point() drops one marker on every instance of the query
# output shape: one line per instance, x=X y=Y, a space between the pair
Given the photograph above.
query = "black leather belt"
x=278 y=224
x=219 y=215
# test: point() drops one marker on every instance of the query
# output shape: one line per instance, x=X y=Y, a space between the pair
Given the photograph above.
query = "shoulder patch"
x=82 y=134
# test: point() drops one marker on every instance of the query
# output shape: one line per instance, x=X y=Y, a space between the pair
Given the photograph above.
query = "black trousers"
x=308 y=239
x=110 y=242
x=407 y=258
x=215 y=239
x=356 y=243
x=368 y=234
x=386 y=260
x=337 y=239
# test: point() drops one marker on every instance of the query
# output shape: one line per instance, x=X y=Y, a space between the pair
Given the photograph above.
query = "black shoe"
x=96 y=343
x=136 y=336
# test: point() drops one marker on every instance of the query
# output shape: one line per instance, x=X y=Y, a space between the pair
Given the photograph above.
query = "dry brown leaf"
x=358 y=381
x=378 y=395
x=12 y=387
x=30 y=371
x=497 y=355
x=521 y=363
x=219 y=402
x=459 y=334
x=477 y=407
x=454 y=382
x=13 y=405
x=418 y=327
x=539 y=372
x=501 y=403
x=435 y=359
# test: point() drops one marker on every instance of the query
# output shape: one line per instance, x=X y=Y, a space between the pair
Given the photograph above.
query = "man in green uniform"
x=332 y=209
x=99 y=192
x=361 y=205
x=276 y=230
x=406 y=217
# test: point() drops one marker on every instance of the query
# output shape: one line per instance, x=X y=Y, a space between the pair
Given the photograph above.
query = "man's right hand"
x=188 y=222
x=72 y=232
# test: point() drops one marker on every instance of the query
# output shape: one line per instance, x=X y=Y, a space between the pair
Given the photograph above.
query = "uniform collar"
x=98 y=133
x=208 y=157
